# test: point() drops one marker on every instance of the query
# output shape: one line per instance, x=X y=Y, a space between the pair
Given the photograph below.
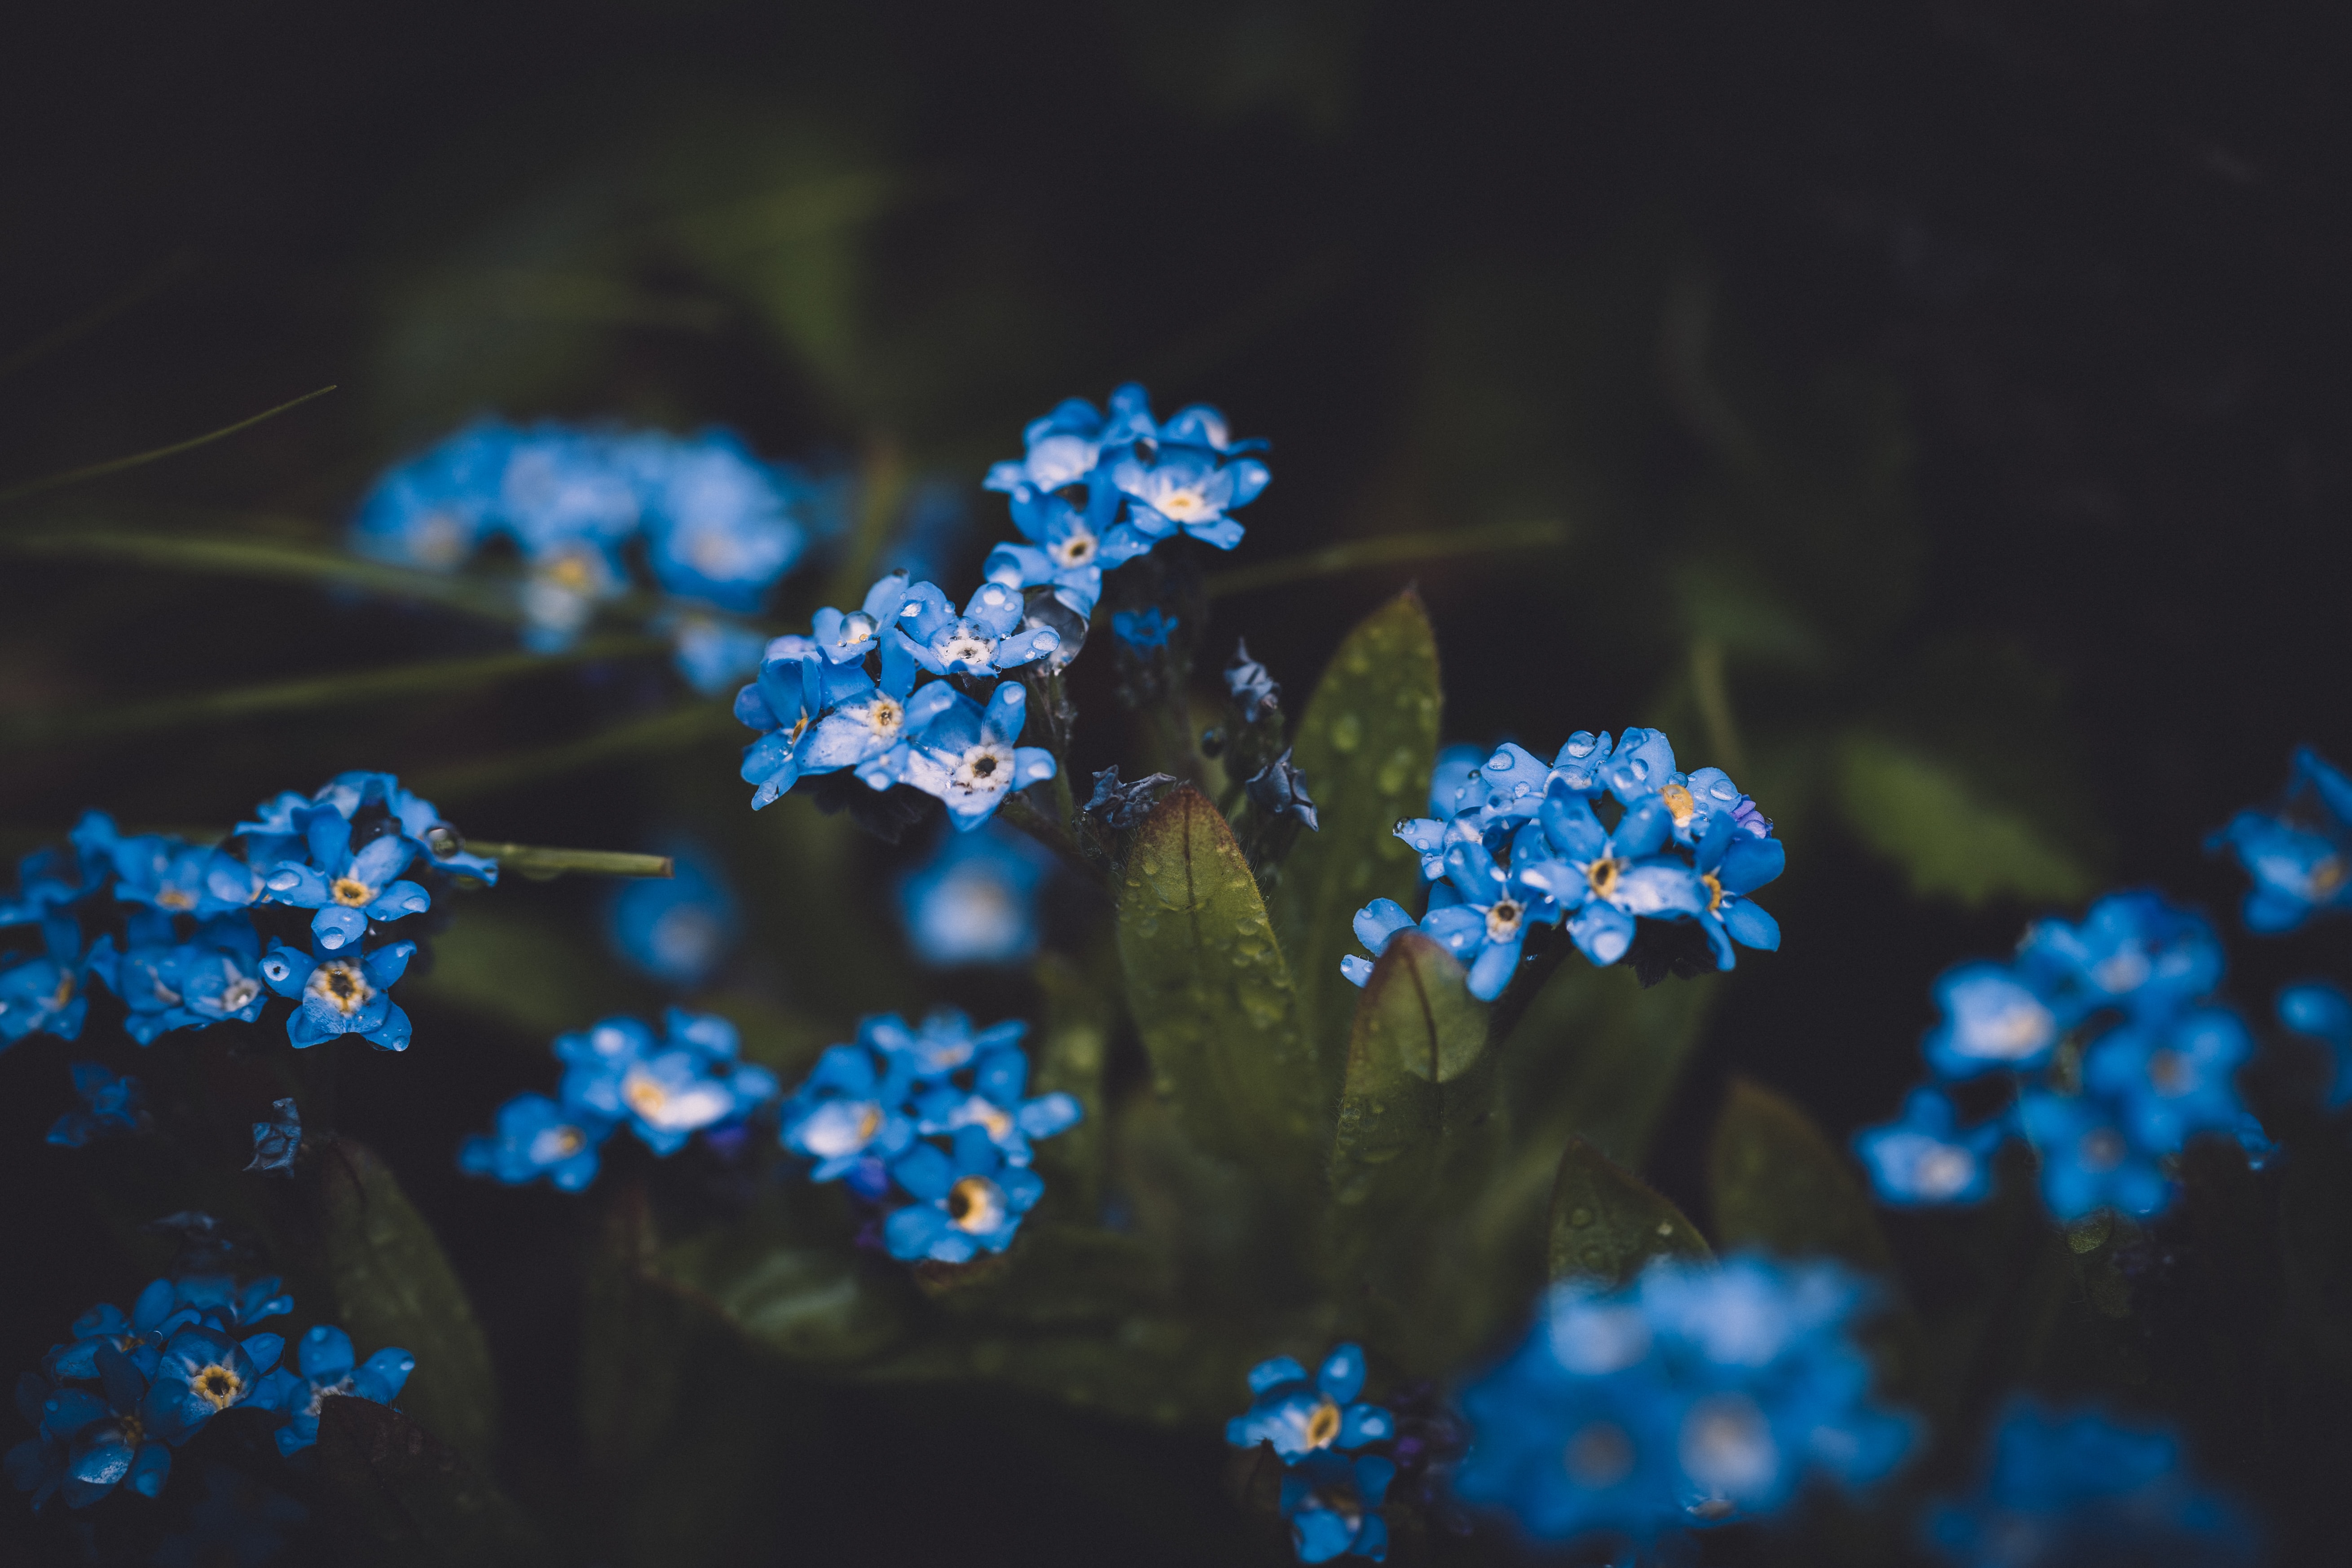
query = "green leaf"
x=415 y=1496
x=1607 y=1223
x=1210 y=993
x=1367 y=743
x=393 y=1285
x=809 y=1301
x=1949 y=839
x=1416 y=1141
x=1776 y=1183
x=1597 y=1056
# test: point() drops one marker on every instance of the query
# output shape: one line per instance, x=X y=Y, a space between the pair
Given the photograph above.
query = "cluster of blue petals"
x=1694 y=1395
x=664 y=1087
x=2299 y=852
x=190 y=949
x=109 y=1406
x=934 y=1121
x=1094 y=487
x=115 y=1104
x=1333 y=1485
x=678 y=929
x=868 y=693
x=974 y=900
x=1511 y=844
x=2069 y=1488
x=716 y=527
x=2117 y=1051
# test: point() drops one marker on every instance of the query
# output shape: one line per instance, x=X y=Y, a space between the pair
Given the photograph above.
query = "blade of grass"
x=116 y=464
x=1363 y=554
x=249 y=557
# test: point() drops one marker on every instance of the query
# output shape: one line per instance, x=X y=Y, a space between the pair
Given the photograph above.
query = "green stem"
x=687 y=724
x=89 y=320
x=1713 y=696
x=1362 y=554
x=116 y=464
x=267 y=558
x=540 y=863
x=348 y=687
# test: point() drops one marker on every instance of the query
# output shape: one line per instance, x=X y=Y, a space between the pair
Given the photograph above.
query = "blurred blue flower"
x=718 y=522
x=2072 y=1488
x=329 y=1369
x=2298 y=854
x=155 y=1315
x=666 y=1090
x=1141 y=629
x=236 y=1523
x=1330 y=1501
x=1992 y=1019
x=2172 y=1078
x=123 y=1435
x=943 y=1044
x=678 y=929
x=200 y=1372
x=966 y=1200
x=930 y=530
x=431 y=512
x=1063 y=446
x=563 y=581
x=277 y=1141
x=348 y=994
x=2134 y=950
x=2089 y=1160
x=1925 y=1157
x=536 y=1137
x=995 y=1102
x=2323 y=1013
x=710 y=654
x=1693 y=1395
x=975 y=900
x=560 y=486
x=1300 y=1415
x=964 y=756
x=116 y=1104
x=981 y=641
x=50 y=878
x=43 y=994
x=850 y=1108
x=160 y=872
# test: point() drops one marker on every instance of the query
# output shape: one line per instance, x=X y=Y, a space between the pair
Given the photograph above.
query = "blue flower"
x=200 y=1372
x=1186 y=487
x=1641 y=766
x=964 y=755
x=869 y=727
x=420 y=819
x=1301 y=1415
x=679 y=928
x=2298 y=855
x=1143 y=629
x=155 y=1316
x=162 y=873
x=975 y=900
x=119 y=1437
x=277 y=1141
x=559 y=486
x=1923 y=1157
x=430 y=512
x=1279 y=789
x=235 y=1522
x=666 y=1091
x=536 y=1137
x=995 y=1104
x=1486 y=928
x=1605 y=878
x=2089 y=1160
x=1064 y=446
x=2133 y=950
x=717 y=523
x=1253 y=689
x=1376 y=926
x=348 y=887
x=48 y=879
x=1992 y=1019
x=850 y=1110
x=981 y=641
x=1330 y=1501
x=116 y=1105
x=2322 y=1012
x=967 y=1200
x=170 y=985
x=1070 y=546
x=43 y=995
x=2172 y=1078
x=226 y=1305
x=796 y=686
x=340 y=996
x=844 y=637
x=329 y=1369
x=709 y=653
x=2068 y=1486
x=943 y=1044
x=563 y=581
x=1732 y=864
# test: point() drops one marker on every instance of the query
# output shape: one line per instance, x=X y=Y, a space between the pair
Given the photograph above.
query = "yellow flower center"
x=1598 y=1456
x=1714 y=892
x=175 y=898
x=2327 y=876
x=2169 y=1071
x=341 y=986
x=1183 y=504
x=645 y=1097
x=1323 y=1425
x=352 y=893
x=1075 y=551
x=1602 y=875
x=975 y=1204
x=1503 y=920
x=569 y=572
x=217 y=1386
x=1679 y=802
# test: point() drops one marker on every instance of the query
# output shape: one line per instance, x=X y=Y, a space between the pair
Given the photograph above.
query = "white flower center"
x=340 y=986
x=985 y=769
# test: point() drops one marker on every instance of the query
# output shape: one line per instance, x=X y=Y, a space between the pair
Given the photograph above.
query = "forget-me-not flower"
x=1065 y=446
x=716 y=520
x=1070 y=545
x=1486 y=928
x=849 y=1111
x=975 y=900
x=2170 y=1080
x=115 y=1104
x=1731 y=865
x=2298 y=855
x=996 y=1103
x=534 y=1137
x=678 y=927
x=329 y=1369
x=2321 y=1011
x=340 y=992
x=1925 y=1157
x=2088 y=1159
x=1300 y=1415
x=964 y=755
x=1992 y=1019
x=431 y=512
x=967 y=1200
x=1185 y=487
x=666 y=1090
x=201 y=1371
x=1603 y=879
x=349 y=886
x=43 y=994
x=981 y=641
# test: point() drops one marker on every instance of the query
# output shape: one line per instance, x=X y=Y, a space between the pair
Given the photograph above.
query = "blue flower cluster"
x=1694 y=1395
x=665 y=1088
x=717 y=528
x=1333 y=1485
x=191 y=950
x=109 y=1407
x=2117 y=1051
x=934 y=1121
x=2322 y=1013
x=848 y=697
x=1511 y=845
x=1097 y=488
x=2299 y=853
x=2072 y=1488
x=975 y=900
x=116 y=1104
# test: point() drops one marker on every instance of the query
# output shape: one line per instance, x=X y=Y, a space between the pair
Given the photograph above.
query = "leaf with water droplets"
x=1366 y=742
x=1211 y=996
x=1607 y=1223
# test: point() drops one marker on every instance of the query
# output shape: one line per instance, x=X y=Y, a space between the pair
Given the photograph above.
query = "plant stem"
x=1713 y=696
x=268 y=558
x=1362 y=554
x=116 y=464
x=540 y=863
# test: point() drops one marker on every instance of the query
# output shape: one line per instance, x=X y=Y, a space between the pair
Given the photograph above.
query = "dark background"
x=1969 y=375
